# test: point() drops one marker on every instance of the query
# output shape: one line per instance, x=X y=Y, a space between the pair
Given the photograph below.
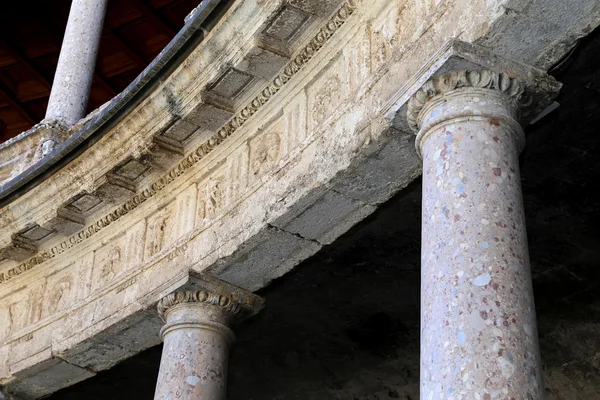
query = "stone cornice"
x=223 y=301
x=304 y=55
x=481 y=79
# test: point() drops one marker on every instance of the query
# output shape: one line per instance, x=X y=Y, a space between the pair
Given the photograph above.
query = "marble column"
x=197 y=337
x=76 y=63
x=478 y=325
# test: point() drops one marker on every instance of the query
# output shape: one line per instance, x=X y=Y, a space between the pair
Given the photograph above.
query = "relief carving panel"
x=46 y=298
x=67 y=287
x=237 y=172
x=215 y=195
x=159 y=232
x=201 y=208
x=384 y=34
x=61 y=292
x=185 y=211
x=358 y=59
x=265 y=150
x=295 y=123
x=326 y=94
x=402 y=24
x=26 y=307
x=118 y=257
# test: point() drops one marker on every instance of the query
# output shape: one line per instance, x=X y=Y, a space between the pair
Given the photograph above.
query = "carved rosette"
x=227 y=303
x=483 y=79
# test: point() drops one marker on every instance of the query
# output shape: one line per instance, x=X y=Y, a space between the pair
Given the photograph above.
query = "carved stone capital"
x=225 y=302
x=513 y=88
x=459 y=67
x=205 y=289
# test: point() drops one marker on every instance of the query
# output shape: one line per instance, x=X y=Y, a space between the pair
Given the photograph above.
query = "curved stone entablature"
x=165 y=149
x=267 y=142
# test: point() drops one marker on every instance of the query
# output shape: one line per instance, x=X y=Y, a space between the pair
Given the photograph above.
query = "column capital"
x=513 y=88
x=224 y=302
x=463 y=65
x=203 y=289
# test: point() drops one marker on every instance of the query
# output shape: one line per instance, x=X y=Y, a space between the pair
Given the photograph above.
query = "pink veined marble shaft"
x=478 y=324
x=195 y=355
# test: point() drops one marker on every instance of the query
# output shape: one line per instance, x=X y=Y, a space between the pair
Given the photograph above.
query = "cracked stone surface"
x=345 y=323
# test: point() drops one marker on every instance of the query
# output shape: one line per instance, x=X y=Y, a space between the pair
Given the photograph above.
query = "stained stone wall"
x=267 y=143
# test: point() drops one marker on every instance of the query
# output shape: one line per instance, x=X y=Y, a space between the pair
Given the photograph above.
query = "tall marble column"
x=197 y=337
x=76 y=63
x=478 y=325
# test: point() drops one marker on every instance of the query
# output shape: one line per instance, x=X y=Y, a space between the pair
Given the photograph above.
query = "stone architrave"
x=478 y=324
x=197 y=337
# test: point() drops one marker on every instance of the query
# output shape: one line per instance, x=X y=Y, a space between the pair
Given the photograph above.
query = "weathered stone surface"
x=345 y=323
x=117 y=342
x=264 y=257
x=49 y=375
x=295 y=139
x=552 y=28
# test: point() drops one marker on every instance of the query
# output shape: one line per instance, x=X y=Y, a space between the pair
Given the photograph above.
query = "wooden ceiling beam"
x=26 y=63
x=10 y=98
x=105 y=84
x=154 y=17
x=132 y=53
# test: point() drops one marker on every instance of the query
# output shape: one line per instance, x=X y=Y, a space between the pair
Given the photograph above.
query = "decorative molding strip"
x=304 y=56
x=225 y=302
x=483 y=79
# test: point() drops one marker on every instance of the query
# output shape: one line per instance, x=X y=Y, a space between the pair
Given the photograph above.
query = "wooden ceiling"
x=135 y=31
